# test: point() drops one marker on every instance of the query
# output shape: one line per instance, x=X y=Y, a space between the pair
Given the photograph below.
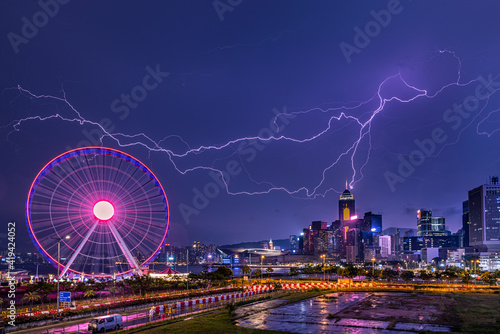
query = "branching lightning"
x=344 y=112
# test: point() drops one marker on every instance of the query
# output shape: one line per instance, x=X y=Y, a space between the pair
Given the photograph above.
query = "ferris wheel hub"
x=103 y=210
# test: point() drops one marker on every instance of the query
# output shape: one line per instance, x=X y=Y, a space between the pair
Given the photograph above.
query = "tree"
x=246 y=270
x=349 y=271
x=488 y=278
x=425 y=276
x=466 y=277
x=389 y=274
x=257 y=273
x=293 y=271
x=90 y=293
x=31 y=297
x=231 y=308
x=269 y=271
x=308 y=270
x=114 y=289
x=407 y=275
x=450 y=275
x=437 y=275
x=221 y=274
x=42 y=288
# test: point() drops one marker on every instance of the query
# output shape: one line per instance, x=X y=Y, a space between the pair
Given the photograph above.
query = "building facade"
x=484 y=215
x=428 y=225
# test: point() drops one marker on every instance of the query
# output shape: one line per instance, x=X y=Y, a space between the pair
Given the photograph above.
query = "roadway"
x=131 y=318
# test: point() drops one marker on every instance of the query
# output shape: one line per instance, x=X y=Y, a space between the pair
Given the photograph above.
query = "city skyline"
x=252 y=117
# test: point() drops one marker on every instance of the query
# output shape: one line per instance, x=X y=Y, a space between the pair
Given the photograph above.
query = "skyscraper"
x=373 y=223
x=429 y=226
x=294 y=242
x=385 y=245
x=484 y=215
x=465 y=223
x=346 y=205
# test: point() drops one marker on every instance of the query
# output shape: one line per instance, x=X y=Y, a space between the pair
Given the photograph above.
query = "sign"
x=65 y=297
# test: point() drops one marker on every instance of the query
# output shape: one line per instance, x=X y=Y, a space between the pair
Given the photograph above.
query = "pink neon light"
x=103 y=210
x=100 y=148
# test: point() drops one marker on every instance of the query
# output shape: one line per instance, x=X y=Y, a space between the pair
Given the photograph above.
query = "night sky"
x=196 y=78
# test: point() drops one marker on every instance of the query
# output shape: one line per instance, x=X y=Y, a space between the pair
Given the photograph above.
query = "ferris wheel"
x=98 y=212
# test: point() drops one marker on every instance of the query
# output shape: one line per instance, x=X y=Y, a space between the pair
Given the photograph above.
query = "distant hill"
x=392 y=230
x=282 y=243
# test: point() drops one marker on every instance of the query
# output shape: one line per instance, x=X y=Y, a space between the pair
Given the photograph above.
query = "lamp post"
x=475 y=278
x=261 y=269
x=58 y=263
x=373 y=269
x=187 y=270
x=323 y=256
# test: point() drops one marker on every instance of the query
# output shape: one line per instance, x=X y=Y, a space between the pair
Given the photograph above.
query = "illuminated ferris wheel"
x=105 y=209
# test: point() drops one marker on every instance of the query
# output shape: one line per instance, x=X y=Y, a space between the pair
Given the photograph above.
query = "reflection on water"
x=312 y=316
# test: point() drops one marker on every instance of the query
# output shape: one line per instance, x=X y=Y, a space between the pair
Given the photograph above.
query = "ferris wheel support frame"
x=121 y=243
x=78 y=250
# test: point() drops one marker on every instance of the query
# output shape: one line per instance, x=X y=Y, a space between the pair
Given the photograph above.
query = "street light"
x=261 y=261
x=58 y=263
x=475 y=278
x=373 y=268
x=324 y=274
x=187 y=271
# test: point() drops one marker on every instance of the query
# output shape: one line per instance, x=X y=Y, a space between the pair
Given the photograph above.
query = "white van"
x=105 y=323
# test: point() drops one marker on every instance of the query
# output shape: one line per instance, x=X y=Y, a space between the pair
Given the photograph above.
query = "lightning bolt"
x=345 y=112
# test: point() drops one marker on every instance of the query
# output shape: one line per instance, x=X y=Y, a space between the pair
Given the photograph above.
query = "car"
x=105 y=323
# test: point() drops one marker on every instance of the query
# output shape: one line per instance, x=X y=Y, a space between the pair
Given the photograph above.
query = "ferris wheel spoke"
x=79 y=249
x=63 y=200
x=121 y=243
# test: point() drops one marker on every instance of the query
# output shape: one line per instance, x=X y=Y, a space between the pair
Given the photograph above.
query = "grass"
x=216 y=322
x=293 y=297
x=478 y=313
x=466 y=312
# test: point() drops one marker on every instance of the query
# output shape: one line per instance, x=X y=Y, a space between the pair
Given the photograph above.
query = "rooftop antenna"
x=346 y=184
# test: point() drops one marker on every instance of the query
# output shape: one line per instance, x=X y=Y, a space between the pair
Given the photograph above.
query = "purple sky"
x=198 y=78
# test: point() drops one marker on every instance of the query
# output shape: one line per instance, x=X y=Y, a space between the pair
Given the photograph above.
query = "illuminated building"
x=373 y=223
x=294 y=242
x=271 y=244
x=417 y=243
x=428 y=225
x=347 y=207
x=465 y=223
x=484 y=215
x=307 y=241
x=336 y=240
x=384 y=242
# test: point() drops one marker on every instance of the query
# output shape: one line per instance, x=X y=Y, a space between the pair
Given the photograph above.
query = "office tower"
x=384 y=242
x=346 y=205
x=373 y=223
x=465 y=223
x=484 y=215
x=417 y=243
x=351 y=239
x=308 y=245
x=294 y=242
x=336 y=240
x=428 y=225
x=319 y=225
